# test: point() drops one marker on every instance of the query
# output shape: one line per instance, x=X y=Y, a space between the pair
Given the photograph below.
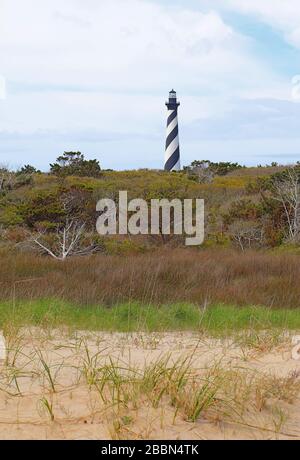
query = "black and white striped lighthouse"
x=172 y=155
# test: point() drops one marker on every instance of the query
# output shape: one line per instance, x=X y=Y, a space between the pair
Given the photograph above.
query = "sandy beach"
x=53 y=387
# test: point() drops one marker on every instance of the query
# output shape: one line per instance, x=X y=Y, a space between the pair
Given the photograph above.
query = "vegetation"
x=47 y=218
x=146 y=386
x=74 y=164
x=243 y=283
x=205 y=170
x=133 y=317
x=203 y=278
x=245 y=207
x=28 y=170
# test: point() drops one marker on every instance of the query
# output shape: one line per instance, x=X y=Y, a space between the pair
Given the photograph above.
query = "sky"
x=94 y=75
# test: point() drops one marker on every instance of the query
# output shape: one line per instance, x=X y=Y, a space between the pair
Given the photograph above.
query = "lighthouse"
x=172 y=154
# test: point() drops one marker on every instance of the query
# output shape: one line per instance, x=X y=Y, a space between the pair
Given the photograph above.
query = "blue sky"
x=93 y=75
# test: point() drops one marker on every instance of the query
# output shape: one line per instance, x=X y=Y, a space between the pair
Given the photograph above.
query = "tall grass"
x=203 y=278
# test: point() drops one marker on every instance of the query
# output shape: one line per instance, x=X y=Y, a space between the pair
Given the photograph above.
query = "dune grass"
x=86 y=381
x=131 y=317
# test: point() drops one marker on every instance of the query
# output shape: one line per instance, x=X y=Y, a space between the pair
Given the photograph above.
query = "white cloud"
x=79 y=69
x=250 y=119
x=122 y=55
x=127 y=44
x=283 y=15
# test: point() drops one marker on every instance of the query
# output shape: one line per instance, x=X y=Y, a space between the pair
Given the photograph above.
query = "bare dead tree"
x=68 y=242
x=203 y=172
x=246 y=235
x=286 y=190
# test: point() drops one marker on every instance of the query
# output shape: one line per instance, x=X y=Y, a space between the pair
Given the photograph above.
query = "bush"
x=74 y=164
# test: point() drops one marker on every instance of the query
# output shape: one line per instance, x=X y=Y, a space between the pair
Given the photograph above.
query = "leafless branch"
x=68 y=242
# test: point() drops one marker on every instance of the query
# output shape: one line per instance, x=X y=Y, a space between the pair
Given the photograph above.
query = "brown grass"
x=202 y=277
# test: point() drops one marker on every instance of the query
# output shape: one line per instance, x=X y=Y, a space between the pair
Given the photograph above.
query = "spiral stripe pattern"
x=172 y=152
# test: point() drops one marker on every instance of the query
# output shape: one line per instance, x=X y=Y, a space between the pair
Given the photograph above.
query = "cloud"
x=93 y=75
x=129 y=44
x=2 y=87
x=282 y=15
x=250 y=119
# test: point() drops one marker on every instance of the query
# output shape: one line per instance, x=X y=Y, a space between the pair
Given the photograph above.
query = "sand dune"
x=62 y=385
